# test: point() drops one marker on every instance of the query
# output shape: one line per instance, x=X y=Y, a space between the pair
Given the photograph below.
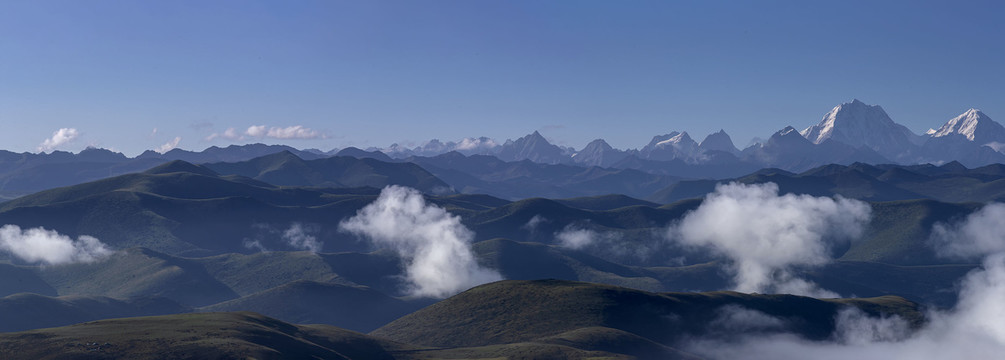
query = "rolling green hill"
x=950 y=182
x=31 y=311
x=206 y=336
x=520 y=311
x=139 y=272
x=286 y=169
x=309 y=302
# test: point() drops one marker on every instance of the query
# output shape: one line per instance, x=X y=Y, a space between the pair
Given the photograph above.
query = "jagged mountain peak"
x=679 y=139
x=598 y=144
x=661 y=138
x=858 y=124
x=786 y=131
x=534 y=147
x=719 y=141
x=847 y=118
x=598 y=153
x=975 y=126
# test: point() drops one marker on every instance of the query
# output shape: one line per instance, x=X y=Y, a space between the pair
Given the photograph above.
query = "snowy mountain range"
x=850 y=132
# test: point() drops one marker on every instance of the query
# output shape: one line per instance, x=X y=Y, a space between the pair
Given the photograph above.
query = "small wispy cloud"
x=293 y=132
x=59 y=138
x=301 y=237
x=202 y=125
x=296 y=132
x=170 y=145
x=577 y=237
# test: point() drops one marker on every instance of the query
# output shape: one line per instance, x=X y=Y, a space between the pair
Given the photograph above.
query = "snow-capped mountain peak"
x=971 y=124
x=857 y=124
x=786 y=131
x=681 y=139
x=660 y=138
x=845 y=121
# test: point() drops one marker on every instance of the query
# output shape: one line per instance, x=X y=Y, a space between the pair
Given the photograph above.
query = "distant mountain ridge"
x=849 y=133
x=858 y=131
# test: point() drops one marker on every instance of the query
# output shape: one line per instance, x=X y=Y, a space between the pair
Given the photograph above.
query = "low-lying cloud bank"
x=433 y=244
x=766 y=235
x=38 y=245
x=973 y=329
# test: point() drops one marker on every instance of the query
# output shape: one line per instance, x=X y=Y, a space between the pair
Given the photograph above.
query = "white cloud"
x=300 y=237
x=261 y=131
x=766 y=235
x=973 y=329
x=59 y=137
x=38 y=245
x=576 y=238
x=982 y=233
x=433 y=244
x=255 y=245
x=533 y=223
x=170 y=145
x=470 y=144
x=229 y=134
x=255 y=131
x=293 y=132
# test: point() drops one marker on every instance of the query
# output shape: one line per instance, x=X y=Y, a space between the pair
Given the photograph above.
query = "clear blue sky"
x=371 y=73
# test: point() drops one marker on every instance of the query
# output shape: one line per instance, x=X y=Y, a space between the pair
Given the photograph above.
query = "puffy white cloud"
x=972 y=329
x=170 y=145
x=59 y=137
x=765 y=235
x=981 y=233
x=432 y=243
x=256 y=131
x=38 y=245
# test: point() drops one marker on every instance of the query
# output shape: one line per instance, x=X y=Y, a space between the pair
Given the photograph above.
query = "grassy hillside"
x=309 y=302
x=30 y=311
x=949 y=183
x=899 y=232
x=286 y=169
x=206 y=336
x=139 y=272
x=520 y=311
x=14 y=279
x=249 y=335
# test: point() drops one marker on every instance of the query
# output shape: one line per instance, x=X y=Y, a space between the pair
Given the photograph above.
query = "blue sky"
x=332 y=74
